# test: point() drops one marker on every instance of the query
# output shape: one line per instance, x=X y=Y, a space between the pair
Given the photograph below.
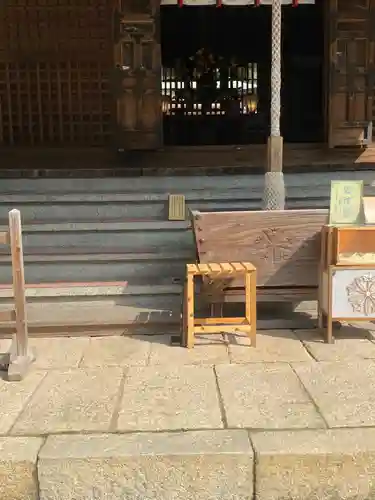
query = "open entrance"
x=216 y=74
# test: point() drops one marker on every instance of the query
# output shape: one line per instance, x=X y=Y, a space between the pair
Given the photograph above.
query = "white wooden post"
x=274 y=187
x=20 y=356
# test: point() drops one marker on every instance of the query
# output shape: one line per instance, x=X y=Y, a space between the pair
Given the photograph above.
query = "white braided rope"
x=276 y=68
x=274 y=186
x=274 y=191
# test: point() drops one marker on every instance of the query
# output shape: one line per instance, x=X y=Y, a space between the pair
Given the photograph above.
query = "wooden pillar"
x=275 y=154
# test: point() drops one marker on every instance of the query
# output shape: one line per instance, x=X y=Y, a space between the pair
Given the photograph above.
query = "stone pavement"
x=132 y=418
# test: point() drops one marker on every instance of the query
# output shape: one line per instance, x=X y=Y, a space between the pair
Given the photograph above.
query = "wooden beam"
x=220 y=321
x=275 y=154
x=211 y=329
x=8 y=315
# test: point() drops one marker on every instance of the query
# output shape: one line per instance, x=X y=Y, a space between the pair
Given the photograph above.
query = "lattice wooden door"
x=352 y=77
x=137 y=76
x=56 y=59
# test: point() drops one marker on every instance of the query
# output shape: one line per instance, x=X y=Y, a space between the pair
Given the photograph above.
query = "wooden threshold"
x=179 y=160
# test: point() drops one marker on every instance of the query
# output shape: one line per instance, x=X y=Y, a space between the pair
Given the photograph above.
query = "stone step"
x=302 y=464
x=95 y=230
x=130 y=236
x=90 y=308
x=39 y=208
x=145 y=267
x=103 y=251
x=175 y=184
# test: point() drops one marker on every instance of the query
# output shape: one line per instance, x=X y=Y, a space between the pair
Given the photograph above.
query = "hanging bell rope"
x=274 y=186
x=276 y=68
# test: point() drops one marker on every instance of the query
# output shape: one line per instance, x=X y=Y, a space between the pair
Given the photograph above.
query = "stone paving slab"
x=315 y=465
x=272 y=346
x=350 y=344
x=167 y=398
x=260 y=396
x=4 y=350
x=208 y=350
x=367 y=326
x=73 y=400
x=192 y=465
x=117 y=351
x=18 y=470
x=58 y=352
x=343 y=392
x=14 y=396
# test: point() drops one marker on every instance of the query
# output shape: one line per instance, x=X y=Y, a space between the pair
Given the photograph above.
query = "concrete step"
x=91 y=308
x=117 y=200
x=96 y=267
x=174 y=184
x=37 y=208
x=95 y=230
x=103 y=251
x=116 y=307
x=104 y=236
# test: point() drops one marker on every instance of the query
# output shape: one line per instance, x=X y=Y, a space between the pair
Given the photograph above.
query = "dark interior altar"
x=216 y=74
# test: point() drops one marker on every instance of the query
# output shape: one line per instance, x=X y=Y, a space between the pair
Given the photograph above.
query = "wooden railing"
x=19 y=358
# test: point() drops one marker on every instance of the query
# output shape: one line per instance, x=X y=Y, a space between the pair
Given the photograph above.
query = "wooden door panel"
x=138 y=75
x=56 y=60
x=353 y=8
x=351 y=71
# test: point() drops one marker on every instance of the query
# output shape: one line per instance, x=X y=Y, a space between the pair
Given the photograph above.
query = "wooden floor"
x=183 y=159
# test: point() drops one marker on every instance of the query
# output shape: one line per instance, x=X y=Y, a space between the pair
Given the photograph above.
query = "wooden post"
x=20 y=356
x=190 y=310
x=275 y=154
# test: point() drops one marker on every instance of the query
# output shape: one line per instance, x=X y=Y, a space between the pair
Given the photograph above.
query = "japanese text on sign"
x=346 y=202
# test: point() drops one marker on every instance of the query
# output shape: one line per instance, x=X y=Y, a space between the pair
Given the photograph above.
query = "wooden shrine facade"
x=88 y=73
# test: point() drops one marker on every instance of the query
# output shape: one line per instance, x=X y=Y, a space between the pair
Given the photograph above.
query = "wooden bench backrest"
x=283 y=245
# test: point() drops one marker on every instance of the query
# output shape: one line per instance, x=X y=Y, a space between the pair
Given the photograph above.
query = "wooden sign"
x=176 y=210
x=369 y=209
x=346 y=202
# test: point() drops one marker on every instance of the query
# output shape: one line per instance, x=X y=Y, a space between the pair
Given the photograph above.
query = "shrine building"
x=135 y=75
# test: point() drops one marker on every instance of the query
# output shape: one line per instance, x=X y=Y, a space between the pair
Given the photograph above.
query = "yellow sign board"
x=177 y=205
x=346 y=202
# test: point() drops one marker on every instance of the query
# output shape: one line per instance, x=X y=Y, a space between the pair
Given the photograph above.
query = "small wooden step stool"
x=192 y=326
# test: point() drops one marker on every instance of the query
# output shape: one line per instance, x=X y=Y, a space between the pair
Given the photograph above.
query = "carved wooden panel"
x=137 y=76
x=284 y=246
x=55 y=66
x=353 y=293
x=352 y=77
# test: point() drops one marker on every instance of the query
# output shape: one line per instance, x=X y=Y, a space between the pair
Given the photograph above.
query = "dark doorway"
x=302 y=117
x=216 y=74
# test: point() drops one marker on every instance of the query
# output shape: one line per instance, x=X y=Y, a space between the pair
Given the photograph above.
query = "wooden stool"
x=192 y=326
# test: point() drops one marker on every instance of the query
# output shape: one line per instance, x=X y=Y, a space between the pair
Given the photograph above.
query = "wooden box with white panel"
x=347 y=276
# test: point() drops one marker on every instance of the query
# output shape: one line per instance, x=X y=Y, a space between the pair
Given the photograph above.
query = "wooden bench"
x=284 y=246
x=17 y=361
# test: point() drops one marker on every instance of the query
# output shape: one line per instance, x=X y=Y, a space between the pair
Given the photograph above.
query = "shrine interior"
x=216 y=74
